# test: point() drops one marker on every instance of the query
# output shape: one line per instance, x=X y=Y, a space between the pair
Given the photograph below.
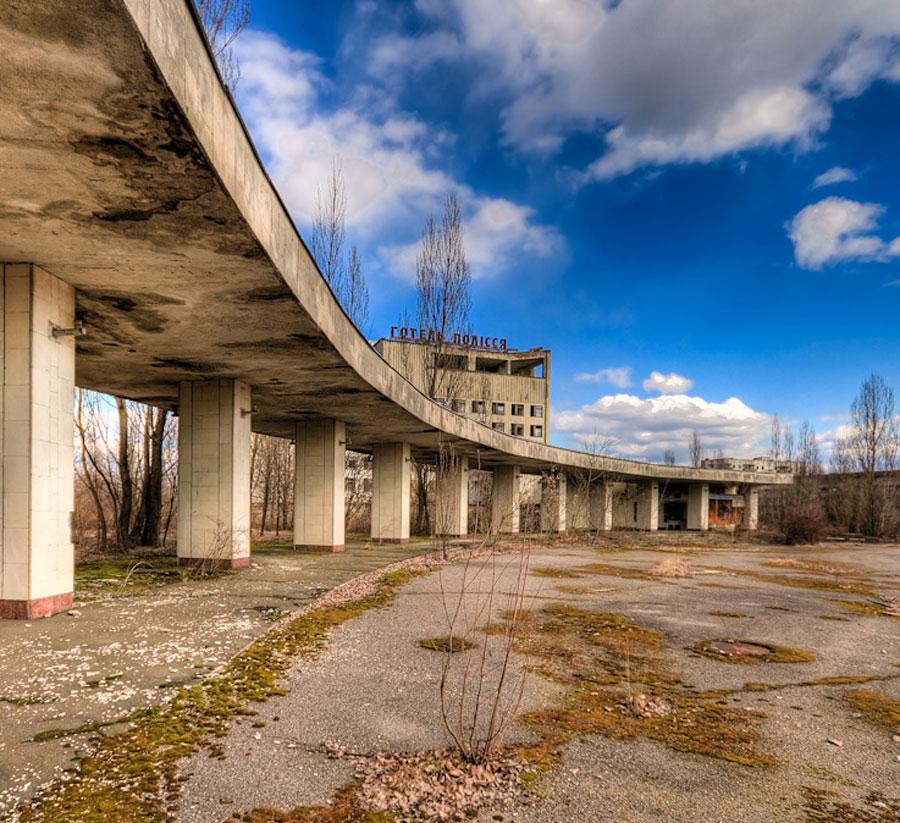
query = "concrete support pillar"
x=214 y=474
x=751 y=508
x=648 y=505
x=601 y=507
x=390 y=493
x=578 y=505
x=553 y=503
x=319 y=486
x=698 y=507
x=505 y=500
x=37 y=390
x=451 y=510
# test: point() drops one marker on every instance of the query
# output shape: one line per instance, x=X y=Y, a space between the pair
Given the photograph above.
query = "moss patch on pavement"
x=343 y=808
x=797 y=582
x=769 y=652
x=877 y=708
x=865 y=608
x=616 y=571
x=127 y=574
x=824 y=806
x=547 y=571
x=453 y=645
x=133 y=775
x=617 y=684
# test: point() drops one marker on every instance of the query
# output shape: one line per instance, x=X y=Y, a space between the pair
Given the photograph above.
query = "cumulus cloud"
x=667 y=383
x=389 y=158
x=644 y=428
x=496 y=231
x=663 y=81
x=618 y=376
x=837 y=174
x=837 y=229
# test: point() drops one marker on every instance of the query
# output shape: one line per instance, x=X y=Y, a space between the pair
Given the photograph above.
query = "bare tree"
x=873 y=445
x=776 y=447
x=223 y=21
x=443 y=278
x=669 y=457
x=796 y=511
x=329 y=235
x=271 y=483
x=126 y=465
x=695 y=449
x=328 y=231
x=357 y=292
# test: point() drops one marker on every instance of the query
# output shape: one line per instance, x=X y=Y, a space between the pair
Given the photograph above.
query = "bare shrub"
x=481 y=689
x=804 y=522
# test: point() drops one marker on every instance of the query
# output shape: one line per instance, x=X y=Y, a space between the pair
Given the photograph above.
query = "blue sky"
x=695 y=205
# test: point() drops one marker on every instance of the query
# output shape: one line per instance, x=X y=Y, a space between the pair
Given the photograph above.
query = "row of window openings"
x=515 y=409
x=518 y=429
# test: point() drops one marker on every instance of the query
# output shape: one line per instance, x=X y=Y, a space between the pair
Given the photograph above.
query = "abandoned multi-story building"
x=749 y=464
x=479 y=378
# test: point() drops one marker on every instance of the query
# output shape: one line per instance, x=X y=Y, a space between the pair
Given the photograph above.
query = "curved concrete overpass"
x=132 y=199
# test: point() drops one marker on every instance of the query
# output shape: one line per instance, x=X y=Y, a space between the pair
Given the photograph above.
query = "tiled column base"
x=218 y=564
x=33 y=609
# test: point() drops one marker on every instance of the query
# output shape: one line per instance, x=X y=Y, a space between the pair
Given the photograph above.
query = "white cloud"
x=389 y=159
x=664 y=81
x=837 y=174
x=837 y=229
x=618 y=376
x=667 y=383
x=644 y=428
x=495 y=229
x=892 y=284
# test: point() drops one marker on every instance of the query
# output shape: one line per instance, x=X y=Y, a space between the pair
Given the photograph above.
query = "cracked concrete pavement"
x=123 y=653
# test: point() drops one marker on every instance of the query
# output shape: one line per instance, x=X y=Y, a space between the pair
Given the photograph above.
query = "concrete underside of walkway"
x=123 y=653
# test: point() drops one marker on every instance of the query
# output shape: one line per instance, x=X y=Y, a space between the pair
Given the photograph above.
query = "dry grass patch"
x=672 y=567
x=735 y=615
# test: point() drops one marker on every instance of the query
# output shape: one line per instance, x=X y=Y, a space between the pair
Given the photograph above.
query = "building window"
x=498 y=427
x=537 y=431
x=478 y=406
x=517 y=429
x=518 y=410
x=498 y=408
x=459 y=406
x=537 y=411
